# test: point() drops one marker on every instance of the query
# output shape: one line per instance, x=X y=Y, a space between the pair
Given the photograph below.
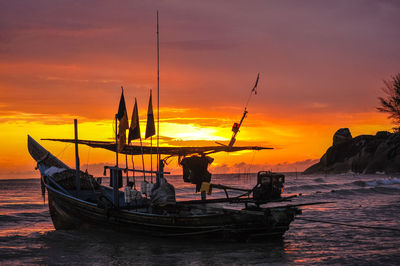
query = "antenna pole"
x=237 y=126
x=158 y=96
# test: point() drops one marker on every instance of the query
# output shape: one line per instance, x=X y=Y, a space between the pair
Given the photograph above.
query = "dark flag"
x=134 y=130
x=150 y=128
x=122 y=116
x=255 y=85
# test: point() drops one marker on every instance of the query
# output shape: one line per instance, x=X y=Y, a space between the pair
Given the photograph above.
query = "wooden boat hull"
x=69 y=213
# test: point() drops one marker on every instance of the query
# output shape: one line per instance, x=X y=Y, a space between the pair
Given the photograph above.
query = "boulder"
x=383 y=134
x=341 y=136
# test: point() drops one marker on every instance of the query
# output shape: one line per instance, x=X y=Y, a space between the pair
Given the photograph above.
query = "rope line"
x=87 y=159
x=350 y=225
x=61 y=153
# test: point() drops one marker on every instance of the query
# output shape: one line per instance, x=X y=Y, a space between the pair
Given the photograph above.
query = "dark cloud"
x=313 y=56
x=198 y=45
x=297 y=166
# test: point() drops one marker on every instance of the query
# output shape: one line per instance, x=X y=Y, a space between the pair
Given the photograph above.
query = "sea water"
x=369 y=203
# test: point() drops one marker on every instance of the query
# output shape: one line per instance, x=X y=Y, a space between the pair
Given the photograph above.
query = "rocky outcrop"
x=341 y=136
x=363 y=154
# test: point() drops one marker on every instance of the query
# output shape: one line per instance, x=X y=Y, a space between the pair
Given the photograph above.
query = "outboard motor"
x=269 y=186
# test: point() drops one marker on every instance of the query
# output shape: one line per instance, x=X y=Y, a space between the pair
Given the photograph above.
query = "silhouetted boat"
x=93 y=206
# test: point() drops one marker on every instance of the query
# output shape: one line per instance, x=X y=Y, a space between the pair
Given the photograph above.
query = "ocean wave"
x=311 y=187
x=366 y=190
x=22 y=206
x=378 y=182
x=24 y=217
x=4 y=219
x=350 y=192
x=384 y=181
x=359 y=183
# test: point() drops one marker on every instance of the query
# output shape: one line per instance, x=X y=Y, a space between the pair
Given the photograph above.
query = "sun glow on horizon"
x=294 y=143
x=192 y=132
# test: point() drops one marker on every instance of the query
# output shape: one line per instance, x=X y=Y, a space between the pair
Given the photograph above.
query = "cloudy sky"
x=321 y=63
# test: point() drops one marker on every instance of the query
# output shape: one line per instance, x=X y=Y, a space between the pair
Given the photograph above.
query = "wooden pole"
x=78 y=179
x=151 y=157
x=116 y=140
x=126 y=166
x=115 y=176
x=133 y=173
x=141 y=147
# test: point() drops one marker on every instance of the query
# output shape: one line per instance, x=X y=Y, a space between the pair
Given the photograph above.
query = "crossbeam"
x=133 y=170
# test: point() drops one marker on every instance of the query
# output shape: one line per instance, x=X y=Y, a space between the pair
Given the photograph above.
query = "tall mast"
x=158 y=95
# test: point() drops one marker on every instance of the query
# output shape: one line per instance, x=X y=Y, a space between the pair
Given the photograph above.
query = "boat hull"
x=70 y=213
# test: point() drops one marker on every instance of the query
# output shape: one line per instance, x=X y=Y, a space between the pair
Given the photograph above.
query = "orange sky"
x=321 y=64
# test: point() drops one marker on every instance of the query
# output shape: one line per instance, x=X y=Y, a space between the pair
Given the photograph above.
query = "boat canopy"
x=172 y=151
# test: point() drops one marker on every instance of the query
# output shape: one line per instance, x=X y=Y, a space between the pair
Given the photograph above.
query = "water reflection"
x=110 y=247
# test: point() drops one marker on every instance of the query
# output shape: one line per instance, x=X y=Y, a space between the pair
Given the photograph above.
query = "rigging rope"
x=61 y=153
x=252 y=90
x=251 y=162
x=114 y=127
x=350 y=225
x=87 y=159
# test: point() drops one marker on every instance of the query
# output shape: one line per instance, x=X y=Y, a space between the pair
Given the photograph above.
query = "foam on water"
x=384 y=181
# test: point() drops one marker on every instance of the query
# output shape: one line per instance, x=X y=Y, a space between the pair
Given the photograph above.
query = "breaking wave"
x=367 y=190
x=379 y=182
x=385 y=181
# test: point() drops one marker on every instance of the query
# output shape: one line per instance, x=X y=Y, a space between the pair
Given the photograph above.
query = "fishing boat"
x=78 y=200
x=90 y=204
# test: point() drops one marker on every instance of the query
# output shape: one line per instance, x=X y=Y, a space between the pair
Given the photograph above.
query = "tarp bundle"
x=195 y=170
x=163 y=193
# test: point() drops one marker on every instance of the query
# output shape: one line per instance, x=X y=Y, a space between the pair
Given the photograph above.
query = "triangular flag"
x=134 y=130
x=122 y=116
x=255 y=84
x=150 y=127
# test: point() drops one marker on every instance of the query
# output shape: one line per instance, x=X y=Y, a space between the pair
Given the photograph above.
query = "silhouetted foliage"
x=391 y=102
